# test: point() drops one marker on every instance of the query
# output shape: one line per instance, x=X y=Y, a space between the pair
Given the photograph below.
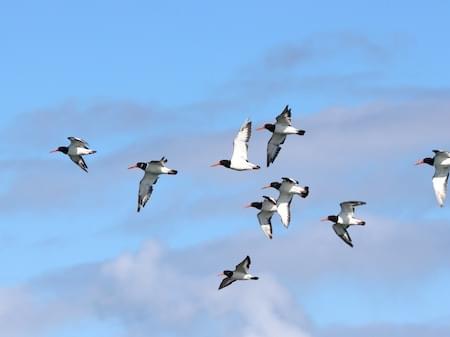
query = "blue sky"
x=141 y=80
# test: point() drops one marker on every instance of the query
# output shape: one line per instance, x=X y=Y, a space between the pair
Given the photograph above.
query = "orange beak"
x=132 y=166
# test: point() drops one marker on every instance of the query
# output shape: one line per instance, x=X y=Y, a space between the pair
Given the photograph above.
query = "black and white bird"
x=267 y=207
x=282 y=128
x=77 y=148
x=240 y=273
x=287 y=188
x=152 y=171
x=239 y=159
x=441 y=163
x=345 y=219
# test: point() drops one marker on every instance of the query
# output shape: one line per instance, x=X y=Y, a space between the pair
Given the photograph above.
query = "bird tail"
x=306 y=193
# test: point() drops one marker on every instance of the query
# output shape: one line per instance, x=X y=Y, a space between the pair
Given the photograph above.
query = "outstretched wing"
x=274 y=147
x=226 y=282
x=343 y=234
x=270 y=199
x=161 y=162
x=244 y=265
x=284 y=208
x=442 y=157
x=440 y=183
x=284 y=118
x=146 y=189
x=290 y=180
x=240 y=144
x=79 y=161
x=264 y=219
x=348 y=207
x=78 y=142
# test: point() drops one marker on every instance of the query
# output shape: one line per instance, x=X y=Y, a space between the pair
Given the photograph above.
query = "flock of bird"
x=287 y=188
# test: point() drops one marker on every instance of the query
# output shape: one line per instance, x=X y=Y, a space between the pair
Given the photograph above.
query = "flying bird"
x=441 y=163
x=239 y=274
x=287 y=188
x=280 y=130
x=345 y=219
x=267 y=207
x=152 y=171
x=239 y=159
x=77 y=148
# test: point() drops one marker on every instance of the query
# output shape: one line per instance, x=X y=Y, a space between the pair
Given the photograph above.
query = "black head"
x=223 y=162
x=276 y=185
x=268 y=126
x=140 y=165
x=332 y=218
x=257 y=205
x=228 y=273
x=429 y=161
x=63 y=149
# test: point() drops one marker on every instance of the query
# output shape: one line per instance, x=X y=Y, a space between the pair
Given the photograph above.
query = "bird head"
x=63 y=149
x=140 y=165
x=223 y=162
x=267 y=126
x=332 y=218
x=257 y=205
x=429 y=161
x=276 y=185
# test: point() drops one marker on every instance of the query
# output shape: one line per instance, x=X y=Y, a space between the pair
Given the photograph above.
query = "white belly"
x=78 y=151
x=285 y=129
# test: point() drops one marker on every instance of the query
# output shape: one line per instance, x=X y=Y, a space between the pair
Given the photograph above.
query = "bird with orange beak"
x=345 y=219
x=441 y=164
x=77 y=148
x=282 y=128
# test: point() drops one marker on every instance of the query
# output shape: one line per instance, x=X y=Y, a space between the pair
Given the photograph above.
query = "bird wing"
x=343 y=234
x=79 y=161
x=284 y=208
x=284 y=117
x=78 y=142
x=146 y=189
x=274 y=147
x=264 y=219
x=442 y=157
x=160 y=162
x=240 y=144
x=440 y=183
x=244 y=265
x=270 y=199
x=348 y=207
x=226 y=282
x=445 y=153
x=289 y=180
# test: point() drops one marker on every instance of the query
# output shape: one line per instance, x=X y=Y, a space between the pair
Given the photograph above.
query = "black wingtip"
x=257 y=167
x=301 y=132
